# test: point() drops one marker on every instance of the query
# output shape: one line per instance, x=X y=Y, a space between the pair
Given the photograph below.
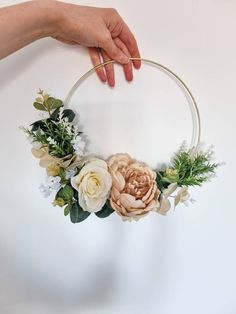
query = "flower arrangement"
x=85 y=184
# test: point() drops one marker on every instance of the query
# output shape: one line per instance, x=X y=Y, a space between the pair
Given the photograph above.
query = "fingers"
x=95 y=58
x=128 y=69
x=109 y=68
x=130 y=42
x=112 y=50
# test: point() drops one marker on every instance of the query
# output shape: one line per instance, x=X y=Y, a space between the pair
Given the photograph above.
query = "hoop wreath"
x=83 y=183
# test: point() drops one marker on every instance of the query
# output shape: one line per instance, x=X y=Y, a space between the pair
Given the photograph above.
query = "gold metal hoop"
x=196 y=132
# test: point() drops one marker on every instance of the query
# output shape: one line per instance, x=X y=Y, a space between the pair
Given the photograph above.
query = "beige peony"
x=134 y=190
x=93 y=184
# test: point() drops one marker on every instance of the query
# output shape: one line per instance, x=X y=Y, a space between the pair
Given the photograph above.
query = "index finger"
x=129 y=40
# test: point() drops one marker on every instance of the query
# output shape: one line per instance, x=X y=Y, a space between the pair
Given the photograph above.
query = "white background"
x=180 y=264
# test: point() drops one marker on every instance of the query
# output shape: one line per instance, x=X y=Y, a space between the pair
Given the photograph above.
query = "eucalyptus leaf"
x=77 y=214
x=55 y=114
x=67 y=209
x=53 y=103
x=36 y=125
x=68 y=113
x=106 y=211
x=39 y=106
x=66 y=193
x=58 y=103
x=40 y=124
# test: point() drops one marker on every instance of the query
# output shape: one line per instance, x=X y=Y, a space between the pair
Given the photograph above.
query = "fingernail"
x=103 y=78
x=124 y=59
x=111 y=82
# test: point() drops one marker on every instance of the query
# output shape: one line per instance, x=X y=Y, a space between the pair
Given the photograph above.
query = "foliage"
x=56 y=132
x=189 y=168
x=46 y=103
x=106 y=211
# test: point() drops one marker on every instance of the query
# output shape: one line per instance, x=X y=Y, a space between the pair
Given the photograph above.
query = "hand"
x=101 y=30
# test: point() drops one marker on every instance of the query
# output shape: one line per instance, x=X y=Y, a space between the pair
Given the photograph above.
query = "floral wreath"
x=85 y=184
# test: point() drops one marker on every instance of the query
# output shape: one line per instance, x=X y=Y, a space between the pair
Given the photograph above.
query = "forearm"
x=102 y=30
x=24 y=23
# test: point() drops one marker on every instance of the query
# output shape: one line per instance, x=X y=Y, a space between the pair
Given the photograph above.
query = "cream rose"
x=93 y=184
x=134 y=190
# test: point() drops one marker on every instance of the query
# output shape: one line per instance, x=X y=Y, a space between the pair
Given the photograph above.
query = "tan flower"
x=134 y=190
x=51 y=163
x=164 y=206
x=182 y=196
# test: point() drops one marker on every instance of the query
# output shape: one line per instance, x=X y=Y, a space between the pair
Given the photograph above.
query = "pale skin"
x=101 y=30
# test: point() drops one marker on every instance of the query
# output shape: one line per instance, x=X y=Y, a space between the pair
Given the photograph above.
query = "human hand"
x=101 y=30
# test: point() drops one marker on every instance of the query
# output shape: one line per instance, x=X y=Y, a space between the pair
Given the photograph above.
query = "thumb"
x=114 y=52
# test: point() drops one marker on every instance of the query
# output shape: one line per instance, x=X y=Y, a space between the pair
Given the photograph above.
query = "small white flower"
x=51 y=141
x=70 y=173
x=69 y=129
x=51 y=184
x=76 y=130
x=79 y=145
x=60 y=113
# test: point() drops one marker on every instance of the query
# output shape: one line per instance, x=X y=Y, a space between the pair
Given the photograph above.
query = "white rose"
x=93 y=184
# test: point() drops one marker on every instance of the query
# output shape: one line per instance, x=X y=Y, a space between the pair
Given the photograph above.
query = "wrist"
x=49 y=16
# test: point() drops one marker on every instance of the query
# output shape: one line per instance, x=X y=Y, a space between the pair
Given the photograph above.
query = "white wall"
x=179 y=264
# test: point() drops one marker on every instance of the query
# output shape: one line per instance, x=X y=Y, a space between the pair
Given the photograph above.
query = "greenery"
x=188 y=168
x=77 y=214
x=68 y=197
x=106 y=211
x=46 y=103
x=56 y=132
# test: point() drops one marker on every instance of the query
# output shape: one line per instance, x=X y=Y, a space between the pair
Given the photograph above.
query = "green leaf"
x=106 y=211
x=161 y=183
x=55 y=114
x=39 y=106
x=67 y=209
x=77 y=214
x=36 y=125
x=58 y=103
x=53 y=103
x=68 y=113
x=66 y=193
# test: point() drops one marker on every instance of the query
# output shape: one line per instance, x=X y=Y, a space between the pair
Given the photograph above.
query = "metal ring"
x=196 y=133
